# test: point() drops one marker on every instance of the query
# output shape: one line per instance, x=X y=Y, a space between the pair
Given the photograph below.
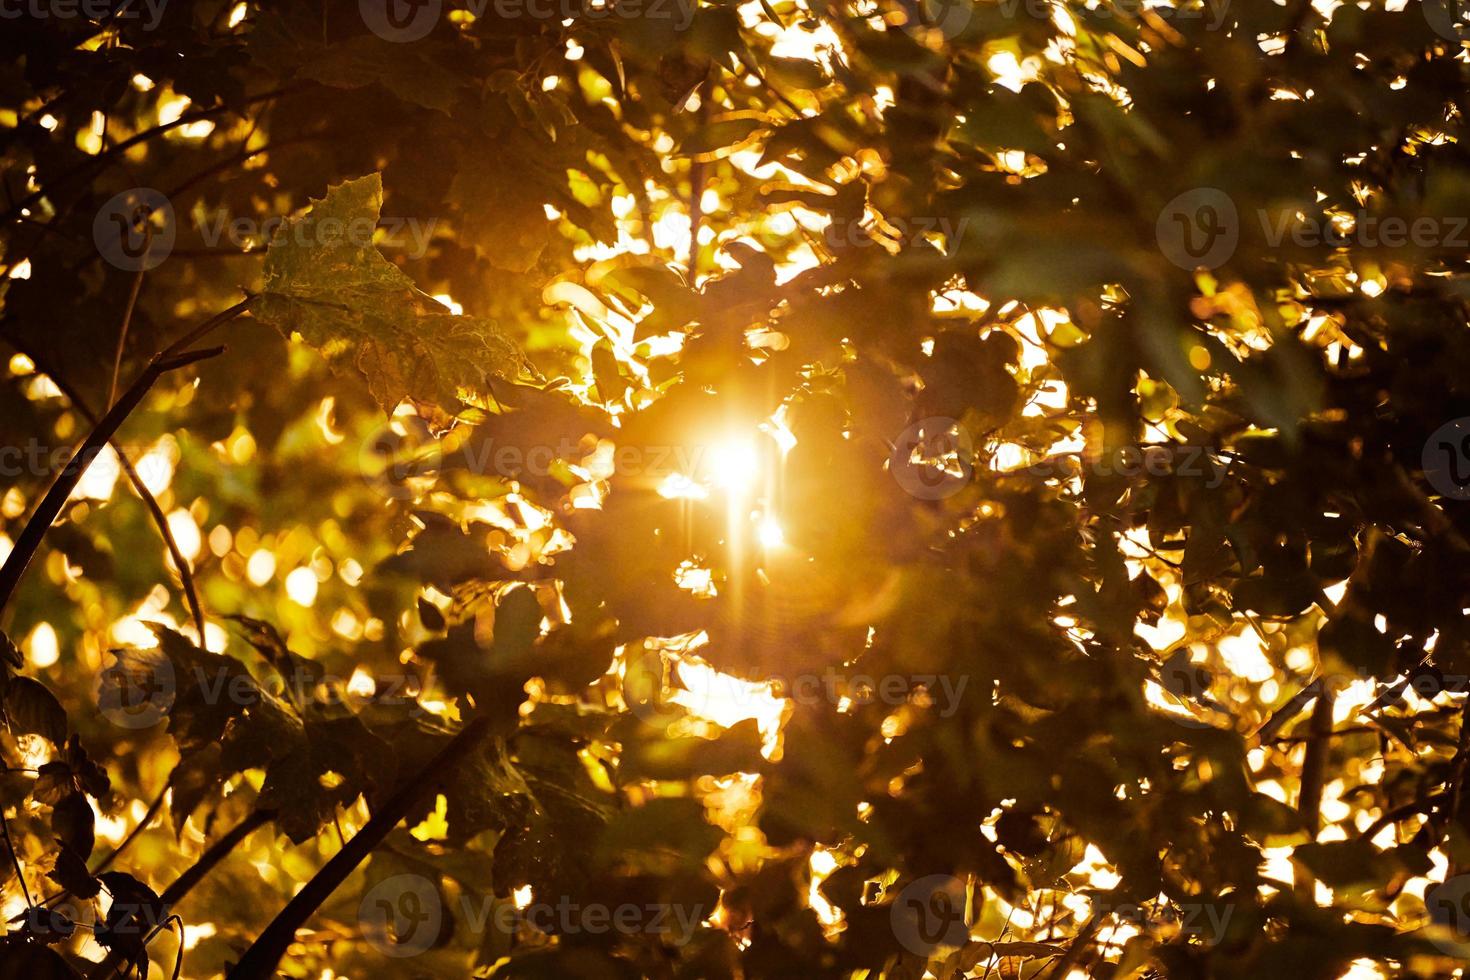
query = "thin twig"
x=171 y=359
x=14 y=858
x=160 y=520
x=1314 y=764
x=127 y=321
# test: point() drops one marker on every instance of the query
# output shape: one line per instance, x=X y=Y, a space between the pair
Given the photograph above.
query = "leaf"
x=9 y=655
x=31 y=709
x=20 y=960
x=415 y=73
x=71 y=873
x=73 y=822
x=718 y=135
x=325 y=281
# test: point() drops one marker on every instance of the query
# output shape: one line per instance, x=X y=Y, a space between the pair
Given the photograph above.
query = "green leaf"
x=325 y=281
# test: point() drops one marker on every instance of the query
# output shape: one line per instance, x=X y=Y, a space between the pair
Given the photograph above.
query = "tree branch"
x=185 y=882
x=186 y=574
x=171 y=359
x=259 y=961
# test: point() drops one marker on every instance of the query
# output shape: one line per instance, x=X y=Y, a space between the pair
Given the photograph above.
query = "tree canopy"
x=691 y=489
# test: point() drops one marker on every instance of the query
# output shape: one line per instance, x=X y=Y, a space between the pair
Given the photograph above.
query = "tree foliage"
x=875 y=489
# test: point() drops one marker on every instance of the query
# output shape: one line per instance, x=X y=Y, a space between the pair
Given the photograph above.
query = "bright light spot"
x=727 y=700
x=325 y=415
x=192 y=934
x=823 y=862
x=679 y=486
x=186 y=533
x=771 y=534
x=171 y=110
x=449 y=303
x=236 y=16
x=22 y=270
x=1244 y=654
x=301 y=586
x=43 y=647
x=261 y=566
x=732 y=464
x=221 y=541
x=361 y=684
x=523 y=896
x=100 y=479
x=435 y=826
x=156 y=469
x=695 y=579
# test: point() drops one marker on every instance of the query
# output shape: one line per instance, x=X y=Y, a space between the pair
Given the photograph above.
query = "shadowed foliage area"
x=703 y=489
